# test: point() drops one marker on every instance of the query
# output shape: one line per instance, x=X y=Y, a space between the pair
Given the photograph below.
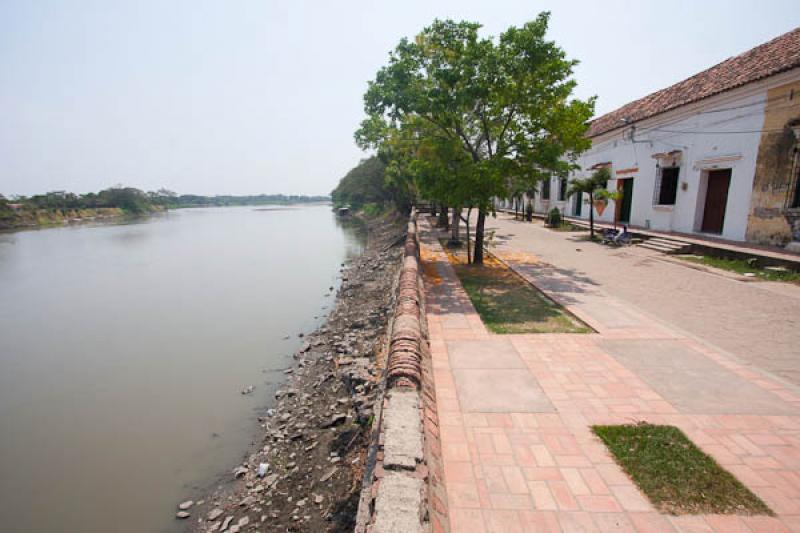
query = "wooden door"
x=623 y=206
x=719 y=182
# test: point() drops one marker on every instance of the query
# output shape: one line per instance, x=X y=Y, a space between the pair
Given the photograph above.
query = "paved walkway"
x=515 y=412
x=775 y=252
x=756 y=322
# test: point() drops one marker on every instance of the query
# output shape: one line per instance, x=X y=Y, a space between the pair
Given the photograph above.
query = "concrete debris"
x=183 y=506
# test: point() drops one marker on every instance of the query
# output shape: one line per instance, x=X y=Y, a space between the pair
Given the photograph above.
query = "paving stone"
x=691 y=381
x=399 y=505
x=403 y=430
x=500 y=391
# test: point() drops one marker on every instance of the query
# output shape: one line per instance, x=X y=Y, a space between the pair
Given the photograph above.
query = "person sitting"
x=609 y=235
x=623 y=237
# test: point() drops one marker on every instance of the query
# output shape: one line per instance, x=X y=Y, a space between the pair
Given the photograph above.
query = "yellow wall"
x=766 y=223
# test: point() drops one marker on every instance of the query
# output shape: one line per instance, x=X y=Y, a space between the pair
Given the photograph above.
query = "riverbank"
x=314 y=439
x=48 y=218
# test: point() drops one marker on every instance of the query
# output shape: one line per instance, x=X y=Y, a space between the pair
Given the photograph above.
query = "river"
x=124 y=348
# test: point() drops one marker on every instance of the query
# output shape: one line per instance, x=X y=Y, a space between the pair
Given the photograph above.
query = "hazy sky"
x=251 y=96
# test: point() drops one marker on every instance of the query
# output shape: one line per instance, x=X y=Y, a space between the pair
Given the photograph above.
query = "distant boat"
x=343 y=211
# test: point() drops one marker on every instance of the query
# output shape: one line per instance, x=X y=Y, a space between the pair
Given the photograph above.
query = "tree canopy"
x=468 y=113
x=372 y=182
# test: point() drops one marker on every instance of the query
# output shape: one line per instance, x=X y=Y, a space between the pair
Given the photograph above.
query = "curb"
x=403 y=489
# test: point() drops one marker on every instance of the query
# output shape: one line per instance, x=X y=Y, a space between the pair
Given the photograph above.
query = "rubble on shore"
x=314 y=438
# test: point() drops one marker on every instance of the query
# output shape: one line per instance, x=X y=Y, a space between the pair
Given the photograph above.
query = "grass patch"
x=507 y=303
x=676 y=475
x=744 y=266
x=568 y=226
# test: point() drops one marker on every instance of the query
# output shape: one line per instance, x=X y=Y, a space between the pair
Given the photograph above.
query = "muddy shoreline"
x=314 y=440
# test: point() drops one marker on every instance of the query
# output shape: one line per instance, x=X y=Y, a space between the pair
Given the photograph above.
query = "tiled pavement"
x=515 y=411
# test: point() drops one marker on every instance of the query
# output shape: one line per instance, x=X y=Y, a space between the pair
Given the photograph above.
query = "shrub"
x=553 y=218
x=372 y=209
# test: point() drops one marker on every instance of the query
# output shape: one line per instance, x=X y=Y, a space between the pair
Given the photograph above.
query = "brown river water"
x=124 y=348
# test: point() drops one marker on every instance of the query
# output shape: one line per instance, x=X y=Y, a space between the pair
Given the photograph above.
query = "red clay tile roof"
x=778 y=55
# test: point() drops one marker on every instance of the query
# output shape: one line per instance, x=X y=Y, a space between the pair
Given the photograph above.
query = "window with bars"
x=794 y=203
x=666 y=190
x=546 y=189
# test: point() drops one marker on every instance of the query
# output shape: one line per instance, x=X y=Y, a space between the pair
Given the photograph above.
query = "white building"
x=716 y=154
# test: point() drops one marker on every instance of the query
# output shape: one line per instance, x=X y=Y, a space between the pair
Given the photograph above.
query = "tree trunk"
x=444 y=221
x=469 y=212
x=591 y=218
x=477 y=255
x=433 y=209
x=454 y=237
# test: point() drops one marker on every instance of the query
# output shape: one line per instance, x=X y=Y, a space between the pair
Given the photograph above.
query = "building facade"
x=716 y=154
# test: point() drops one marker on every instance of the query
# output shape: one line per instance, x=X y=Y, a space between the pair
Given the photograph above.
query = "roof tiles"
x=778 y=55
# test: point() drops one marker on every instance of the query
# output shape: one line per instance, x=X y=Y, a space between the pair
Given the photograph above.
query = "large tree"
x=497 y=108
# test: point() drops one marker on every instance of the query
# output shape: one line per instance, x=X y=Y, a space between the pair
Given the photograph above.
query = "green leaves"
x=506 y=102
x=594 y=185
x=465 y=114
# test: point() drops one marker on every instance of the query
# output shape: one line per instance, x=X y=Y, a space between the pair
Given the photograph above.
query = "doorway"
x=578 y=204
x=623 y=208
x=719 y=182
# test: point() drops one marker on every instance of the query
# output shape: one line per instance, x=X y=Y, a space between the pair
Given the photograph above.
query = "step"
x=669 y=242
x=665 y=245
x=660 y=247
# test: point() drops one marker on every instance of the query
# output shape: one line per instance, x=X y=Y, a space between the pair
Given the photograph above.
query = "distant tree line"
x=171 y=200
x=128 y=199
x=20 y=211
x=135 y=201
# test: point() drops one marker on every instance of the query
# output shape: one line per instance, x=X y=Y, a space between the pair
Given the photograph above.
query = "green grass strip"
x=743 y=266
x=507 y=303
x=676 y=475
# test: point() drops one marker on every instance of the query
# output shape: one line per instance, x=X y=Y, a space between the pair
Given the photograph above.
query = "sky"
x=260 y=96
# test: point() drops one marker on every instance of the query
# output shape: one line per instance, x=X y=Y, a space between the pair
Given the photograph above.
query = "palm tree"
x=591 y=186
x=606 y=195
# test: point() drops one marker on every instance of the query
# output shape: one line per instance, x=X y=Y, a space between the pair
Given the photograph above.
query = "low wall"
x=403 y=487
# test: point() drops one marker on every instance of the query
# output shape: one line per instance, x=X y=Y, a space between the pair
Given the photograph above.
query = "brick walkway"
x=515 y=411
x=757 y=322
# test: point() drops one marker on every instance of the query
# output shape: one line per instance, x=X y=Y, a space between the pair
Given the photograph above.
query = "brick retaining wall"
x=404 y=490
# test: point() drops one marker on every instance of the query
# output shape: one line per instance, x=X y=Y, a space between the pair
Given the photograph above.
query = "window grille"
x=562 y=189
x=546 y=189
x=794 y=190
x=666 y=189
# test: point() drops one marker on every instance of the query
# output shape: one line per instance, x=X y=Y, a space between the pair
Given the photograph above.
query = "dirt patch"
x=314 y=441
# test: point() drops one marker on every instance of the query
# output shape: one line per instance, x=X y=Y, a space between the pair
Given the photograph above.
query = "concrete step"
x=665 y=245
x=656 y=247
x=666 y=242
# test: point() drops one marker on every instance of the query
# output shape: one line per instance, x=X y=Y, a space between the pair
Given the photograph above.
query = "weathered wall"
x=740 y=111
x=766 y=223
x=404 y=492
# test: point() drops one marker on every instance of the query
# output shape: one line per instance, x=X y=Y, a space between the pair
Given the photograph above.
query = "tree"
x=604 y=195
x=493 y=108
x=366 y=183
x=128 y=199
x=593 y=185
